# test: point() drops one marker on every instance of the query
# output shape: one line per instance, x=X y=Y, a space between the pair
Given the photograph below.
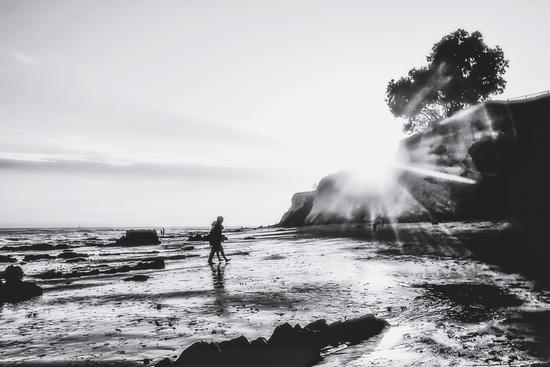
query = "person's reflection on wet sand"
x=217 y=276
x=218 y=283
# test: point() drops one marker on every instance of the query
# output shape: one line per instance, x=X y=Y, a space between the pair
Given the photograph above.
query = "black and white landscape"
x=381 y=169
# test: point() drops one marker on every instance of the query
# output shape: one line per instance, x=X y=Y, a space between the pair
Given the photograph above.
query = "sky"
x=163 y=113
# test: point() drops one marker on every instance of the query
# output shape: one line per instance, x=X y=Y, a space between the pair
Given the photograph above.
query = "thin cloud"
x=141 y=169
x=23 y=58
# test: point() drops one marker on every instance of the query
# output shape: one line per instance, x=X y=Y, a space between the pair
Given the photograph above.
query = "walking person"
x=378 y=224
x=215 y=238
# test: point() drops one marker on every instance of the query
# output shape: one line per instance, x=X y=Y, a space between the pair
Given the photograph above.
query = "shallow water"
x=280 y=275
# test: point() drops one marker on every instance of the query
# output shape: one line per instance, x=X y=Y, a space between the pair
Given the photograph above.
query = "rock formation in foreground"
x=487 y=162
x=288 y=346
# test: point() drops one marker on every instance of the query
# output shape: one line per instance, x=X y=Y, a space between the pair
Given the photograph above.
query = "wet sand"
x=447 y=306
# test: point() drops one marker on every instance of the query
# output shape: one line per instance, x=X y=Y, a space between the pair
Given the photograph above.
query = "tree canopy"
x=462 y=70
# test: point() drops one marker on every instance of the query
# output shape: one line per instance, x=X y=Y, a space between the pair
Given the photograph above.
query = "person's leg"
x=223 y=254
x=218 y=255
x=211 y=256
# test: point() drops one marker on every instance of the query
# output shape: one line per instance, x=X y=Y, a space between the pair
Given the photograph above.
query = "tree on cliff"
x=462 y=70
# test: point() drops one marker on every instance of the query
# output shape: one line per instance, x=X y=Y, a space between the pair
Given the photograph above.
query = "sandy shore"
x=447 y=305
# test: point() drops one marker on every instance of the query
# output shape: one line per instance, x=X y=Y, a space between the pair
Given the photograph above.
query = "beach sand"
x=446 y=303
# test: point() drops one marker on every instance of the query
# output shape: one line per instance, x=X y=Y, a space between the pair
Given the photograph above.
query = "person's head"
x=13 y=274
x=219 y=219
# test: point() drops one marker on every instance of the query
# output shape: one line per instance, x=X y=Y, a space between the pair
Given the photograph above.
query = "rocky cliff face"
x=487 y=162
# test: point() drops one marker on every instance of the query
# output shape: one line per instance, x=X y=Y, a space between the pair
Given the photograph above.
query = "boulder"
x=14 y=289
x=355 y=330
x=288 y=346
x=137 y=237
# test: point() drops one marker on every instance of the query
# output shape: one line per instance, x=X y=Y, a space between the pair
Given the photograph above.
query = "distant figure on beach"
x=162 y=231
x=378 y=224
x=215 y=238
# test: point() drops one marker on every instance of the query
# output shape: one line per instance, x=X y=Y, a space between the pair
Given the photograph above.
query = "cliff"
x=487 y=162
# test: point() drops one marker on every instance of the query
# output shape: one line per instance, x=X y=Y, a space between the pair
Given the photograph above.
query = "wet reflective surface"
x=445 y=307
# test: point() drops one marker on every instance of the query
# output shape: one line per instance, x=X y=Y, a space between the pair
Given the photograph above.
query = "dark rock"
x=52 y=274
x=284 y=334
x=288 y=346
x=15 y=289
x=37 y=257
x=197 y=237
x=188 y=248
x=17 y=292
x=250 y=238
x=76 y=260
x=259 y=342
x=137 y=237
x=157 y=263
x=237 y=343
x=137 y=278
x=472 y=302
x=355 y=330
x=164 y=363
x=142 y=265
x=200 y=354
x=7 y=259
x=71 y=255
x=318 y=325
x=301 y=206
x=35 y=247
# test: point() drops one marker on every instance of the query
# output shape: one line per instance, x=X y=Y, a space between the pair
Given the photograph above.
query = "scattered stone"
x=137 y=278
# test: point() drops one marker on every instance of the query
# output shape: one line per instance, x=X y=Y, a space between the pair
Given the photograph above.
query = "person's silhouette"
x=215 y=238
x=378 y=224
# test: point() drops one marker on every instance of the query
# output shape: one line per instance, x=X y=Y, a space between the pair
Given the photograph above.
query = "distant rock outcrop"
x=289 y=346
x=487 y=162
x=137 y=237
